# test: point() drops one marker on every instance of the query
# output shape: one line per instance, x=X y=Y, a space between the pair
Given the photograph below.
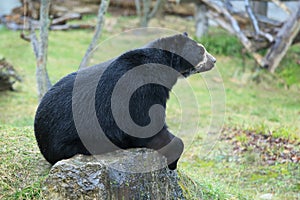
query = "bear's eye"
x=202 y=50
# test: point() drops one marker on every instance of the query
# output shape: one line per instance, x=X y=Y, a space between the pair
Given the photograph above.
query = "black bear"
x=119 y=104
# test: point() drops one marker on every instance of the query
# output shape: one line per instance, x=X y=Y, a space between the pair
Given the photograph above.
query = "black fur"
x=54 y=125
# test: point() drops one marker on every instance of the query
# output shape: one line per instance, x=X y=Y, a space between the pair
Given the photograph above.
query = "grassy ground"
x=210 y=169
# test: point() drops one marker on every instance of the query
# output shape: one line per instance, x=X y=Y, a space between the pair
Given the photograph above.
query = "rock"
x=123 y=174
x=8 y=75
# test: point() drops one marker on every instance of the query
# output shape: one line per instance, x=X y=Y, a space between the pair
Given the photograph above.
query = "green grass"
x=22 y=167
x=207 y=172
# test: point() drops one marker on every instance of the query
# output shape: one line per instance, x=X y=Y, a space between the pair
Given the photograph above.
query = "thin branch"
x=138 y=8
x=25 y=37
x=66 y=17
x=252 y=17
x=155 y=9
x=100 y=21
x=34 y=41
x=65 y=27
x=220 y=21
x=146 y=9
x=28 y=21
x=254 y=22
x=282 y=6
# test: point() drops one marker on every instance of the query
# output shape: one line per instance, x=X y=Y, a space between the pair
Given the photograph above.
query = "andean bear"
x=78 y=115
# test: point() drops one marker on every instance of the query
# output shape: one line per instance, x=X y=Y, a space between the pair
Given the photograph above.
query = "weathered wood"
x=255 y=23
x=269 y=34
x=283 y=41
x=67 y=17
x=123 y=174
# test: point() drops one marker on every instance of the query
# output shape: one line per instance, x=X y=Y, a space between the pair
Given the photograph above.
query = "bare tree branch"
x=34 y=41
x=283 y=40
x=147 y=12
x=254 y=22
x=43 y=81
x=64 y=18
x=155 y=9
x=100 y=21
x=228 y=5
x=138 y=8
x=65 y=27
x=279 y=35
x=224 y=24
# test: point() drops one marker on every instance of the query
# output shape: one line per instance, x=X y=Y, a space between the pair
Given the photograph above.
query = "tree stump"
x=123 y=174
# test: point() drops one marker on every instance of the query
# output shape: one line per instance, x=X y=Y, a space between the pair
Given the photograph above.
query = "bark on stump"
x=123 y=174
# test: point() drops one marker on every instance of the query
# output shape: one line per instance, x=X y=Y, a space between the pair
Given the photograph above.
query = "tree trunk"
x=42 y=78
x=201 y=20
x=123 y=174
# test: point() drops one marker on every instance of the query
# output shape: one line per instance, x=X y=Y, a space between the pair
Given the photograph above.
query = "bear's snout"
x=211 y=58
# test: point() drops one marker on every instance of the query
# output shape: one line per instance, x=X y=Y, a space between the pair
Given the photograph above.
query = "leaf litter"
x=271 y=149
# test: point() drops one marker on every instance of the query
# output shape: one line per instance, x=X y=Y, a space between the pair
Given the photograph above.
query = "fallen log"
x=258 y=32
x=283 y=41
x=66 y=17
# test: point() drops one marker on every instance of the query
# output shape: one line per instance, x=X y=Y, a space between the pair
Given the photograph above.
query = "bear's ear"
x=185 y=34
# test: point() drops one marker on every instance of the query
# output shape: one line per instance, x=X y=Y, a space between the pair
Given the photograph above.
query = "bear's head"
x=188 y=49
